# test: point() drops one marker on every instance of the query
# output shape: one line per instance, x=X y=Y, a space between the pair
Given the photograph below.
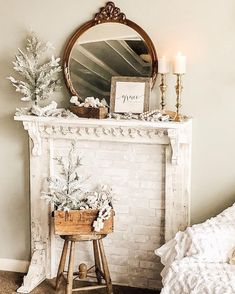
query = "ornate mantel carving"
x=32 y=128
x=175 y=141
x=110 y=130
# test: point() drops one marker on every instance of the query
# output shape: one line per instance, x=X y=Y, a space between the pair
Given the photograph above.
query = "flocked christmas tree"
x=69 y=192
x=40 y=78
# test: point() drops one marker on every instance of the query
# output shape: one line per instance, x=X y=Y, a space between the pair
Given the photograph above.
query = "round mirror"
x=109 y=45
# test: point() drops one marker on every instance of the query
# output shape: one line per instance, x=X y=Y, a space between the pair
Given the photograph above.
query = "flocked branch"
x=40 y=79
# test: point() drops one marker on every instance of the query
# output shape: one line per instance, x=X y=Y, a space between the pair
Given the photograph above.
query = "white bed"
x=198 y=260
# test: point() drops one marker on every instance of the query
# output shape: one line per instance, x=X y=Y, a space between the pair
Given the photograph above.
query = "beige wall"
x=204 y=30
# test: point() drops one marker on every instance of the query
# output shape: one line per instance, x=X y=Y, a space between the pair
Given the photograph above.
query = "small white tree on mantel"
x=40 y=79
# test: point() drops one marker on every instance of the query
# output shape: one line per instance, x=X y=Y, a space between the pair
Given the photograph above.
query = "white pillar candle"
x=163 y=65
x=179 y=64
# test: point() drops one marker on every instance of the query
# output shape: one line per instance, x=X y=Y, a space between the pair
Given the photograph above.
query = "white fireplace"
x=148 y=166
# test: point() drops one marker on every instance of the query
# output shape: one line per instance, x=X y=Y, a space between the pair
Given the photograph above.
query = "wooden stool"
x=100 y=263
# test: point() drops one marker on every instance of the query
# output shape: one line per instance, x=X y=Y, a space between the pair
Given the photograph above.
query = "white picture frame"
x=129 y=94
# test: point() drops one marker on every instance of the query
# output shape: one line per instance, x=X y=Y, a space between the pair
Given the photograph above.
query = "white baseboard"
x=14 y=265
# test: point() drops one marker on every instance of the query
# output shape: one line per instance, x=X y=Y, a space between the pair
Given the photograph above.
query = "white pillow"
x=211 y=241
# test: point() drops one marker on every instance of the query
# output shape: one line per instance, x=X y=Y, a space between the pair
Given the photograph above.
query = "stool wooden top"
x=78 y=237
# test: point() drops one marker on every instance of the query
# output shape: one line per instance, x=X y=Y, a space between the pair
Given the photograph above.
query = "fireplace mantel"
x=172 y=141
x=107 y=129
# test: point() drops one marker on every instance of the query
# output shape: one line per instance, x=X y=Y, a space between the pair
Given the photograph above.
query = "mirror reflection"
x=103 y=51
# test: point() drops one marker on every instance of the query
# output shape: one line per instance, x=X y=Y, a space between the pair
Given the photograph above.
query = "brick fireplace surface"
x=9 y=282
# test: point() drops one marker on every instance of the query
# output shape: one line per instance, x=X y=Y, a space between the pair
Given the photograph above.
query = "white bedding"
x=188 y=276
x=196 y=260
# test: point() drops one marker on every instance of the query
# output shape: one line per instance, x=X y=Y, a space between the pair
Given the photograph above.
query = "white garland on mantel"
x=50 y=110
x=69 y=192
x=151 y=115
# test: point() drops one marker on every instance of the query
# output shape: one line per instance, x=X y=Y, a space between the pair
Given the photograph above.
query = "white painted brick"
x=148 y=258
x=151 y=167
x=121 y=172
x=152 y=149
x=103 y=163
x=118 y=184
x=119 y=190
x=141 y=238
x=140 y=254
x=122 y=208
x=117 y=260
x=126 y=220
x=133 y=263
x=149 y=184
x=133 y=184
x=89 y=145
x=142 y=211
x=120 y=251
x=148 y=175
x=133 y=245
x=151 y=256
x=154 y=284
x=157 y=203
x=140 y=202
x=120 y=163
x=149 y=246
x=120 y=278
x=139 y=281
x=149 y=221
x=114 y=146
x=150 y=193
x=125 y=243
x=148 y=264
x=145 y=230
x=149 y=273
x=135 y=172
x=115 y=236
x=121 y=226
x=109 y=156
x=141 y=158
x=123 y=202
x=119 y=268
x=160 y=212
x=156 y=241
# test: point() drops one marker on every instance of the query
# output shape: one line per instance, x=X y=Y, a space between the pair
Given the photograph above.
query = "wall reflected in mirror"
x=104 y=51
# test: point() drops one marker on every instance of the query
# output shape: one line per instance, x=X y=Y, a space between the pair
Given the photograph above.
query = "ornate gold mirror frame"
x=108 y=14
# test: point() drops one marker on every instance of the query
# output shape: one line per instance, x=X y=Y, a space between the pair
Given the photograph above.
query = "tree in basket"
x=69 y=192
x=40 y=78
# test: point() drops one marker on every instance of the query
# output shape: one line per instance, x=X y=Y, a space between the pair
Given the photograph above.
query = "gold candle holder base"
x=178 y=117
x=163 y=88
x=178 y=89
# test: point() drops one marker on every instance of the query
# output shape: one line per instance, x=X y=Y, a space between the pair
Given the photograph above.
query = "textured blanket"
x=196 y=260
x=189 y=276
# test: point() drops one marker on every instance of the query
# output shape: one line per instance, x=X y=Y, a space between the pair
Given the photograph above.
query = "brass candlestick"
x=163 y=88
x=178 y=89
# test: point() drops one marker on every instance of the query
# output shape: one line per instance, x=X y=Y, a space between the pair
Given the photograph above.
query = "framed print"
x=130 y=94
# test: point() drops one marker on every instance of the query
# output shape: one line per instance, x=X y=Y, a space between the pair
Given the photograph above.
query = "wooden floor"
x=9 y=282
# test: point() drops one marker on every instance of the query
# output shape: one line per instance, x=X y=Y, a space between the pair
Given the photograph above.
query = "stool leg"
x=70 y=269
x=105 y=268
x=62 y=262
x=97 y=262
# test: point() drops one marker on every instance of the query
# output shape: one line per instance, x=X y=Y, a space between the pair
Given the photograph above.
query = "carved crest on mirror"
x=108 y=45
x=110 y=13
